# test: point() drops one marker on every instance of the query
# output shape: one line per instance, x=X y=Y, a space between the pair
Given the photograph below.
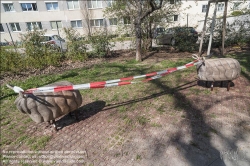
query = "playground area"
x=174 y=120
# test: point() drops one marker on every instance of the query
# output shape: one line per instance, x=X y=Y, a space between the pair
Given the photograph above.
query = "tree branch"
x=153 y=7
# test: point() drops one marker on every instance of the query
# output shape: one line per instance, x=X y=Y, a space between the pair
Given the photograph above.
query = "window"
x=15 y=27
x=94 y=3
x=32 y=25
x=96 y=22
x=1 y=28
x=126 y=20
x=236 y=6
x=73 y=4
x=220 y=7
x=55 y=24
x=8 y=7
x=52 y=6
x=175 y=17
x=110 y=3
x=29 y=6
x=76 y=24
x=113 y=21
x=204 y=8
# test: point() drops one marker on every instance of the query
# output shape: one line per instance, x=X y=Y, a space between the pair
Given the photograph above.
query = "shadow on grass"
x=199 y=151
x=150 y=55
x=84 y=112
x=155 y=95
x=196 y=124
x=9 y=95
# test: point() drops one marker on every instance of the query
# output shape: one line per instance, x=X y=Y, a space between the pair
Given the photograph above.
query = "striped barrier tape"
x=109 y=83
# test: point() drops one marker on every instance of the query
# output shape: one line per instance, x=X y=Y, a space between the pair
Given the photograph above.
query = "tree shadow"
x=83 y=112
x=150 y=55
x=196 y=123
x=200 y=150
x=155 y=95
x=9 y=95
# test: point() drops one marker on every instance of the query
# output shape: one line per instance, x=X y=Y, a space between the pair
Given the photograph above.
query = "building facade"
x=193 y=12
x=19 y=16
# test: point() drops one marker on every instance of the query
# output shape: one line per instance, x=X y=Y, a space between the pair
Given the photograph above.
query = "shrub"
x=126 y=35
x=38 y=54
x=101 y=45
x=237 y=13
x=237 y=33
x=32 y=42
x=76 y=45
x=185 y=42
x=11 y=61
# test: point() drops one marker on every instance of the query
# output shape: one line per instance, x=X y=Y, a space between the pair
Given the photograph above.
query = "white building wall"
x=191 y=12
x=44 y=16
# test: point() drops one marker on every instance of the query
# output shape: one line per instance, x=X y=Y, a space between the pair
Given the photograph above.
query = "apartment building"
x=18 y=16
x=193 y=12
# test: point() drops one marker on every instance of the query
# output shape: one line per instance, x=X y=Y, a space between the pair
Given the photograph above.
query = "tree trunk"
x=138 y=50
x=150 y=34
x=224 y=28
x=138 y=35
x=138 y=40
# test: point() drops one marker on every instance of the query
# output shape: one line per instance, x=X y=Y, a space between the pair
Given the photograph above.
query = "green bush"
x=32 y=42
x=185 y=42
x=11 y=61
x=14 y=62
x=101 y=44
x=237 y=13
x=237 y=33
x=126 y=35
x=76 y=45
x=38 y=54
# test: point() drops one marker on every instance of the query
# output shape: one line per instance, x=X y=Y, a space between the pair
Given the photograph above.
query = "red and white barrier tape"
x=109 y=83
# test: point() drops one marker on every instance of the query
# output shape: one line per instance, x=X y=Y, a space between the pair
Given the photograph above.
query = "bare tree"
x=139 y=12
x=86 y=14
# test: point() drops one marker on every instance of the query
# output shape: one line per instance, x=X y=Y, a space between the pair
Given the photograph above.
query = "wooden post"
x=224 y=28
x=212 y=30
x=204 y=28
